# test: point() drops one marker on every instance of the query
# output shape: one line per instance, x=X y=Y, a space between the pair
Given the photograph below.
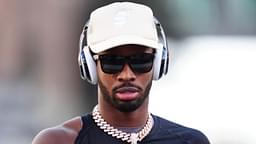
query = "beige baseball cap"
x=121 y=23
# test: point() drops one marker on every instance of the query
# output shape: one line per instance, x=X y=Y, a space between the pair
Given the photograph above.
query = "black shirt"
x=163 y=132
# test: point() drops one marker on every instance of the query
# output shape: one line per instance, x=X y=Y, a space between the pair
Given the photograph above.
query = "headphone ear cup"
x=87 y=66
x=166 y=61
x=82 y=71
x=157 y=64
x=161 y=62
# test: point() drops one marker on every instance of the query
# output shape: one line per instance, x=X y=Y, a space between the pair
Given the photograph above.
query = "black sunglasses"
x=139 y=63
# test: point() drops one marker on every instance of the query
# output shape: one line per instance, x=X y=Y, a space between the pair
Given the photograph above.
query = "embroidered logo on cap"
x=120 y=17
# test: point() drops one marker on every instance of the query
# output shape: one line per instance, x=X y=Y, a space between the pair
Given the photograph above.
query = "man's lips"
x=127 y=93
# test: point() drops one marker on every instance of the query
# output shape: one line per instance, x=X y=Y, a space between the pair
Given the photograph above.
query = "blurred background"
x=210 y=85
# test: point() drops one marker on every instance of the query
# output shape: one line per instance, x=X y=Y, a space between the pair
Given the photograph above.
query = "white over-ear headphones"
x=87 y=64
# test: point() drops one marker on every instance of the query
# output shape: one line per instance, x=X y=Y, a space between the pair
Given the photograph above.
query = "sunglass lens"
x=111 y=64
x=111 y=68
x=142 y=63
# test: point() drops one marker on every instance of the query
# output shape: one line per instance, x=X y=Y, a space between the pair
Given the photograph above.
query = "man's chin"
x=127 y=106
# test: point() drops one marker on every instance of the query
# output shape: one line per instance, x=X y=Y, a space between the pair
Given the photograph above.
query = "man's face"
x=125 y=88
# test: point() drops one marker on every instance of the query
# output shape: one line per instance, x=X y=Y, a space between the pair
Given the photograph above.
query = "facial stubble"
x=124 y=106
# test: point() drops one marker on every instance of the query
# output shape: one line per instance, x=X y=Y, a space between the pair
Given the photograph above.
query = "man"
x=122 y=48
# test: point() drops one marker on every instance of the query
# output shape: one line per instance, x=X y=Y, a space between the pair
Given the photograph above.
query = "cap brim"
x=123 y=40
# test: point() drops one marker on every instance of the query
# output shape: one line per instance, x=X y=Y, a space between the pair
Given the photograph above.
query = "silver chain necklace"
x=124 y=136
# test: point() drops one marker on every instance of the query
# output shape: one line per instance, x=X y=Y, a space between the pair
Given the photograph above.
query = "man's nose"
x=126 y=74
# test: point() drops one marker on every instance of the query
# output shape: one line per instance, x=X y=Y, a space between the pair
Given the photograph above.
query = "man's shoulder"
x=65 y=133
x=192 y=135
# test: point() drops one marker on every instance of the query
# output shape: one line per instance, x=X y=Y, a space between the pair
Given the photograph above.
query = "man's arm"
x=65 y=133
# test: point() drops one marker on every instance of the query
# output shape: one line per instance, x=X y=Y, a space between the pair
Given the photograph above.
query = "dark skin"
x=67 y=132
